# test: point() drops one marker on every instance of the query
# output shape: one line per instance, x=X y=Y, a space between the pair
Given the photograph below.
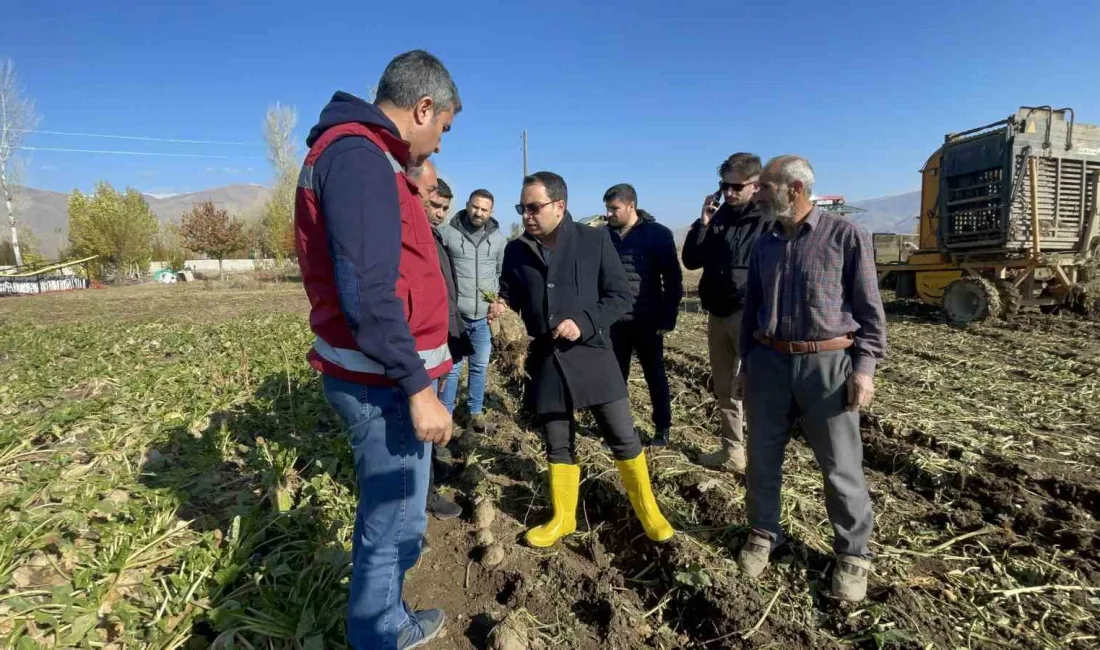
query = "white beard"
x=784 y=215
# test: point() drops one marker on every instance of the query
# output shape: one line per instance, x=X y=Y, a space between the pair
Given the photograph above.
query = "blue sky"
x=652 y=93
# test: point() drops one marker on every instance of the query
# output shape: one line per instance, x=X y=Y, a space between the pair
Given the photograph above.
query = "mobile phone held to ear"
x=714 y=201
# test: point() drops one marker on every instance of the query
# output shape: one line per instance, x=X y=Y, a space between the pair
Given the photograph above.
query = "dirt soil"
x=981 y=451
x=981 y=455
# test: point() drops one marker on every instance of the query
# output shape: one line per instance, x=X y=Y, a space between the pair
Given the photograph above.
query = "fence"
x=45 y=278
x=210 y=267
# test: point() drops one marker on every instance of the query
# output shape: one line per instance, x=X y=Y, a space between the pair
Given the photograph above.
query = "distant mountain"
x=46 y=213
x=240 y=200
x=897 y=213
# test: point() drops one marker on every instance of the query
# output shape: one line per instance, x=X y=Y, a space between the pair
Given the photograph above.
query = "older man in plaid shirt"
x=812 y=331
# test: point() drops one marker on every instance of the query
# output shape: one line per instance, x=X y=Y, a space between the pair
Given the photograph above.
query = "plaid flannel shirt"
x=819 y=285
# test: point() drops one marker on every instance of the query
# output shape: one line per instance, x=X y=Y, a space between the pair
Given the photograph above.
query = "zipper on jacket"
x=477 y=279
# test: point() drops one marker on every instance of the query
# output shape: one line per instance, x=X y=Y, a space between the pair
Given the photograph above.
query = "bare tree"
x=279 y=123
x=282 y=151
x=17 y=117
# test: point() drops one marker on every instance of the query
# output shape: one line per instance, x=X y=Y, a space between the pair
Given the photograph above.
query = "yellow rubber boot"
x=635 y=477
x=565 y=481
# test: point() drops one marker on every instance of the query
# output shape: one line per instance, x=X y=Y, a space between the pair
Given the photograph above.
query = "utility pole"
x=525 y=153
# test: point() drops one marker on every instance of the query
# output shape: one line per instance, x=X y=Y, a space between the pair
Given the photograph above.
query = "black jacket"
x=457 y=339
x=722 y=251
x=585 y=282
x=648 y=253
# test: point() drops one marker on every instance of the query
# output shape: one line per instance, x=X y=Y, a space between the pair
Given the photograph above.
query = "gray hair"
x=414 y=172
x=414 y=75
x=789 y=169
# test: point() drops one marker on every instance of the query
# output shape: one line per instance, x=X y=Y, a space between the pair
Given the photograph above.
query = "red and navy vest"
x=335 y=351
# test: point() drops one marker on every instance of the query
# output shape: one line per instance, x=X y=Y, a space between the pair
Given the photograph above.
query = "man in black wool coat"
x=568 y=285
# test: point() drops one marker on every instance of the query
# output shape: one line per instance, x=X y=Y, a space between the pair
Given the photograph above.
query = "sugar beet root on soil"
x=171 y=476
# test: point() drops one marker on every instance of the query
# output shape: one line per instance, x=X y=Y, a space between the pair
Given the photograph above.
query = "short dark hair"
x=743 y=164
x=444 y=190
x=414 y=75
x=554 y=184
x=622 y=192
x=484 y=194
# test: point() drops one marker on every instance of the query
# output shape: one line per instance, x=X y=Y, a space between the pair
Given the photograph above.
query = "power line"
x=135 y=137
x=142 y=153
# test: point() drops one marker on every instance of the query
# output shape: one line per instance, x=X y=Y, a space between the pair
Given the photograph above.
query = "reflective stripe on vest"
x=356 y=361
x=305 y=176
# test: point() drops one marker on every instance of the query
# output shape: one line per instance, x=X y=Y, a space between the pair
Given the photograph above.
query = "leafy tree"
x=277 y=223
x=168 y=247
x=30 y=249
x=212 y=232
x=118 y=227
x=278 y=216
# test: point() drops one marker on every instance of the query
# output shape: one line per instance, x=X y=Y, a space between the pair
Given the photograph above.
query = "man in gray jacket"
x=476 y=246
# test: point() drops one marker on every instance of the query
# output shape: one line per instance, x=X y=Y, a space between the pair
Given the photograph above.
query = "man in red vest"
x=379 y=313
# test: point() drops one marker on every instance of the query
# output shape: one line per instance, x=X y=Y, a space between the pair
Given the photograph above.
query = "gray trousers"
x=780 y=388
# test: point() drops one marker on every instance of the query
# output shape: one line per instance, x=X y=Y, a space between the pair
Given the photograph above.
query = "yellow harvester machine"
x=1009 y=219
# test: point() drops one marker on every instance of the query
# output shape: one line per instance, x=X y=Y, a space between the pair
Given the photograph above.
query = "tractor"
x=1009 y=219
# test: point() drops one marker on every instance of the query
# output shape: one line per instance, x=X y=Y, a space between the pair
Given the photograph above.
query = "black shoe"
x=443 y=454
x=442 y=507
x=477 y=423
x=659 y=439
x=423 y=626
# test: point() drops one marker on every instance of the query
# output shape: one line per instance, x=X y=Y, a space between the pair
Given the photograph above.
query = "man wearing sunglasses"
x=569 y=286
x=719 y=242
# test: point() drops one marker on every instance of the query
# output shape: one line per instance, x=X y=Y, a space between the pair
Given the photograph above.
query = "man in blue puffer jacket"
x=476 y=245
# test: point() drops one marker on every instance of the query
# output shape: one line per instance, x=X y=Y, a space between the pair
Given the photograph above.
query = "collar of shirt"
x=809 y=223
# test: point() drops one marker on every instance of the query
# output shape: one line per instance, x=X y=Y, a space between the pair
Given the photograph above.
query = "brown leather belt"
x=807 y=347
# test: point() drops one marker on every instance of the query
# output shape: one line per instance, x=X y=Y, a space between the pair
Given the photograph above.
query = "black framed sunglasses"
x=531 y=208
x=736 y=187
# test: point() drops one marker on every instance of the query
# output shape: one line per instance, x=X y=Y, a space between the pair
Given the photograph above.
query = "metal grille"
x=1064 y=196
x=974 y=206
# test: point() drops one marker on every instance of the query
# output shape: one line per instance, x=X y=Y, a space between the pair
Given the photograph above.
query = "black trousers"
x=633 y=336
x=559 y=431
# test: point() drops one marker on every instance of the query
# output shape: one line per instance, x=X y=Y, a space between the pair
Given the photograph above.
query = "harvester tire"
x=970 y=299
x=1010 y=298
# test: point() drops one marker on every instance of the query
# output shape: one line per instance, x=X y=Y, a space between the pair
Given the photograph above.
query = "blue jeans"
x=482 y=341
x=391 y=470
